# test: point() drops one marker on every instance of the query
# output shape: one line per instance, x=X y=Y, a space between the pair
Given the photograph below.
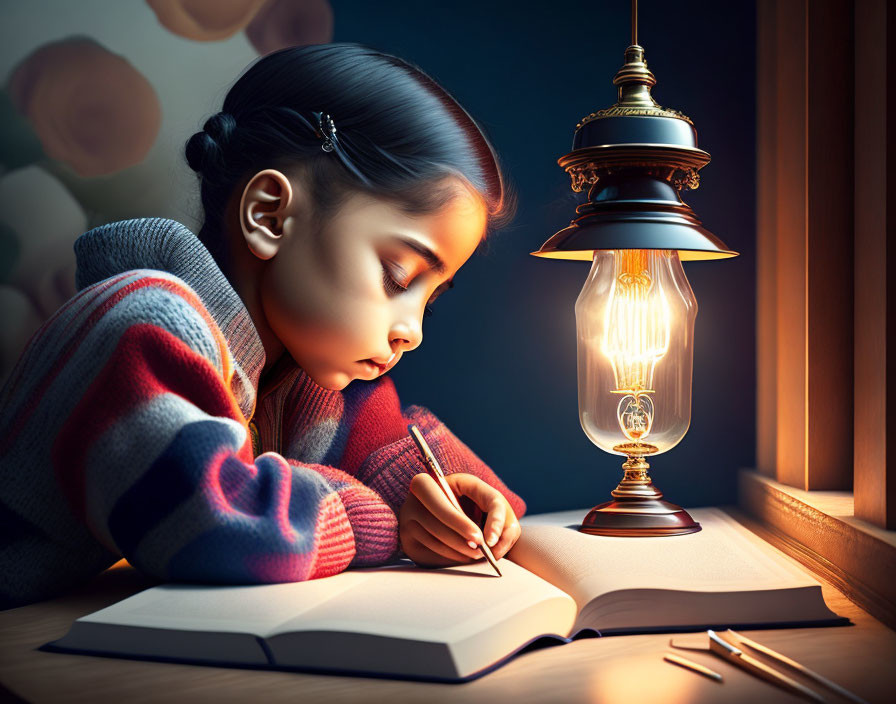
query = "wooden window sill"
x=819 y=529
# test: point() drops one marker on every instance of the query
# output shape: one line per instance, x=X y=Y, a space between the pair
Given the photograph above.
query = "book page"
x=723 y=557
x=445 y=604
x=254 y=609
x=448 y=622
x=400 y=618
x=400 y=600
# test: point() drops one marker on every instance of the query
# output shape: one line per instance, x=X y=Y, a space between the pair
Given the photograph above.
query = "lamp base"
x=638 y=517
x=637 y=509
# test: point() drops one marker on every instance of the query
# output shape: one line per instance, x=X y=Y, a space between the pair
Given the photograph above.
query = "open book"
x=456 y=623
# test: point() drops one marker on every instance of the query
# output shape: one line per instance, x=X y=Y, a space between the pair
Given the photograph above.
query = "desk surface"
x=861 y=657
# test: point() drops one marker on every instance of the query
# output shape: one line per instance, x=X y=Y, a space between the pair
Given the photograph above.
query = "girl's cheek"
x=366 y=326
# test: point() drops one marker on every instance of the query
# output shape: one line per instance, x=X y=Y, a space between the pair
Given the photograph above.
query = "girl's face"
x=347 y=300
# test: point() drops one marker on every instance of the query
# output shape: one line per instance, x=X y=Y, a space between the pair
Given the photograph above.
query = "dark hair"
x=398 y=132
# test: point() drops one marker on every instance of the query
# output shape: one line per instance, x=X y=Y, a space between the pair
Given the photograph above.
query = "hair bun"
x=206 y=148
x=219 y=127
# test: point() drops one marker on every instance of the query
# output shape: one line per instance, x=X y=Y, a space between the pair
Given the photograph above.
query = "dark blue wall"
x=498 y=363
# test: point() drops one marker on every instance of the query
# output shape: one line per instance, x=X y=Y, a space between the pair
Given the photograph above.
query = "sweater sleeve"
x=156 y=457
x=380 y=452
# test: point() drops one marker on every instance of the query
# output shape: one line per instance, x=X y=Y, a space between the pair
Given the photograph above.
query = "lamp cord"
x=634 y=22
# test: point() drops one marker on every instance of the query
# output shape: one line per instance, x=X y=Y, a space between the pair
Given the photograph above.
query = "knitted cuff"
x=335 y=543
x=373 y=523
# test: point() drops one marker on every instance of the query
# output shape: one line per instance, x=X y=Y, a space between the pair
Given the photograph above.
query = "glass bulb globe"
x=635 y=325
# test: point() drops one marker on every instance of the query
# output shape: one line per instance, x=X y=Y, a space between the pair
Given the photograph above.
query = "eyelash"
x=394 y=288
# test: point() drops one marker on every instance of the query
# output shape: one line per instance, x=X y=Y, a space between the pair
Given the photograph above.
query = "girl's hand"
x=433 y=533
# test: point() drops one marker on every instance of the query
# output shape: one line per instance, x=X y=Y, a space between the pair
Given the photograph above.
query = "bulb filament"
x=636 y=337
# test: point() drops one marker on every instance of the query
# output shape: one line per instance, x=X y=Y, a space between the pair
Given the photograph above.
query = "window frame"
x=823 y=487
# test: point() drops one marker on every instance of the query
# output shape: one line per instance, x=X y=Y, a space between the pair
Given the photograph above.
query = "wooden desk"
x=627 y=669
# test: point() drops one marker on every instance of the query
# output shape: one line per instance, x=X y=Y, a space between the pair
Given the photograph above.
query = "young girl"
x=214 y=409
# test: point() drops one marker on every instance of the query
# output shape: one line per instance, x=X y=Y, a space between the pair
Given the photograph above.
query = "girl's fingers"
x=497 y=515
x=489 y=499
x=465 y=484
x=445 y=530
x=420 y=534
x=425 y=489
x=511 y=534
x=421 y=554
x=446 y=535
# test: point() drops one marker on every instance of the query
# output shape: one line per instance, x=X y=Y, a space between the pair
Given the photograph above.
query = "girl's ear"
x=264 y=206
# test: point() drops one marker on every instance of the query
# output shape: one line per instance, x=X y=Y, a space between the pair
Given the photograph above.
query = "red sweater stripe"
x=138 y=369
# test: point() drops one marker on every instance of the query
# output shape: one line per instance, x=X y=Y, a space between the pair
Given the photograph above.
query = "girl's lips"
x=380 y=368
x=372 y=367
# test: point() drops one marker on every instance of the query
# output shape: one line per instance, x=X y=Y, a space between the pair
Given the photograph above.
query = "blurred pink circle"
x=204 y=20
x=283 y=23
x=90 y=108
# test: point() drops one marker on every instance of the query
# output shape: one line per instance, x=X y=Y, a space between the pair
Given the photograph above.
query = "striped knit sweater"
x=133 y=426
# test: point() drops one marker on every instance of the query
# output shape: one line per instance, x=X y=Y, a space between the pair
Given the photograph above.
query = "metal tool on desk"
x=722 y=648
x=737 y=657
x=794 y=665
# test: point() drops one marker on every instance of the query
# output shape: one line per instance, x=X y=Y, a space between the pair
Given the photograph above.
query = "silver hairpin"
x=327 y=131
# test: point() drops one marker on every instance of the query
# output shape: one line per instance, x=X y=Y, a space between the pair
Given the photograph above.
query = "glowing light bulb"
x=636 y=337
x=635 y=323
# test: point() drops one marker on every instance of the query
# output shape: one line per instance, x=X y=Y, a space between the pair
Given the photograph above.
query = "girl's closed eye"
x=390 y=282
x=394 y=287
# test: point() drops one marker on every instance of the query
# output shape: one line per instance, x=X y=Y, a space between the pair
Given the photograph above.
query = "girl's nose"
x=406 y=335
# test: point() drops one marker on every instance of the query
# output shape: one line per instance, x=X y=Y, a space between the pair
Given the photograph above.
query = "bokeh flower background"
x=97 y=101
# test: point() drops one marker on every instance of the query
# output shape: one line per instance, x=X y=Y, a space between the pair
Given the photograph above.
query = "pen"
x=784 y=660
x=737 y=657
x=691 y=665
x=435 y=471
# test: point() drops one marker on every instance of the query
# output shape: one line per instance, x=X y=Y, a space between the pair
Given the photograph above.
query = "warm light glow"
x=628 y=677
x=636 y=337
x=635 y=322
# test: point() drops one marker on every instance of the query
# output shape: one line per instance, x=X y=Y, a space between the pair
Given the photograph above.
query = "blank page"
x=254 y=609
x=723 y=557
x=443 y=605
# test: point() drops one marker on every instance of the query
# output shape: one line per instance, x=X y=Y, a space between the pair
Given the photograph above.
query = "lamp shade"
x=635 y=158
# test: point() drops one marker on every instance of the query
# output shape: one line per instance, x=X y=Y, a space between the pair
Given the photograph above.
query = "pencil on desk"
x=793 y=664
x=435 y=471
x=737 y=657
x=691 y=665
